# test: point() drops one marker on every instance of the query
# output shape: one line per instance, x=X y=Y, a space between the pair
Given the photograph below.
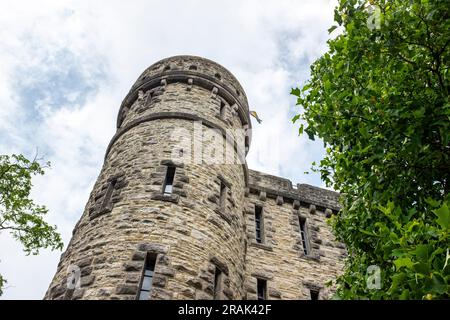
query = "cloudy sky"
x=65 y=67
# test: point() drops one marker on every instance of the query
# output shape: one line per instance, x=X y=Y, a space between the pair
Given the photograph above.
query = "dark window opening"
x=147 y=277
x=258 y=224
x=167 y=67
x=314 y=294
x=168 y=181
x=218 y=76
x=217 y=284
x=223 y=195
x=123 y=116
x=107 y=199
x=304 y=236
x=192 y=67
x=222 y=109
x=261 y=289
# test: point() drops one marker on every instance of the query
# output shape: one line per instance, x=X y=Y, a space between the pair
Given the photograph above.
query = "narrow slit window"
x=123 y=116
x=304 y=236
x=314 y=294
x=109 y=191
x=261 y=289
x=222 y=109
x=223 y=195
x=258 y=224
x=147 y=277
x=217 y=284
x=168 y=181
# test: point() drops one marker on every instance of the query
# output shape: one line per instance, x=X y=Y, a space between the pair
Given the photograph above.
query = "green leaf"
x=422 y=252
x=330 y=30
x=432 y=202
x=300 y=129
x=310 y=133
x=306 y=87
x=439 y=285
x=403 y=262
x=295 y=92
x=422 y=268
x=367 y=232
x=404 y=295
x=443 y=214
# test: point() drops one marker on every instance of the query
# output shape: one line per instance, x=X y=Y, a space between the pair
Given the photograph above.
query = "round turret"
x=165 y=217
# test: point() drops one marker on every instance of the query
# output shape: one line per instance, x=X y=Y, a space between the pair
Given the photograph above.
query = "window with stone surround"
x=218 y=284
x=147 y=277
x=222 y=109
x=107 y=194
x=304 y=236
x=106 y=203
x=223 y=195
x=314 y=294
x=261 y=289
x=259 y=224
x=122 y=117
x=168 y=181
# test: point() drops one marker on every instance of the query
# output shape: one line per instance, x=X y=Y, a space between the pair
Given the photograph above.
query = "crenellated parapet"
x=283 y=190
x=157 y=92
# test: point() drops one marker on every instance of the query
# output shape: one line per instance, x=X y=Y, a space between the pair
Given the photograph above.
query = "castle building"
x=176 y=214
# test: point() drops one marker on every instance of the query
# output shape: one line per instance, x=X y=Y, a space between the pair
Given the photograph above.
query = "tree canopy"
x=379 y=100
x=18 y=213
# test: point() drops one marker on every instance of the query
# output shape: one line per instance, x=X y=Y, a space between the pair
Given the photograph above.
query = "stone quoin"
x=160 y=224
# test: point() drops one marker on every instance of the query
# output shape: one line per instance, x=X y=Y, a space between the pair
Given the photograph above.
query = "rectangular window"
x=304 y=236
x=258 y=224
x=314 y=294
x=109 y=191
x=217 y=284
x=261 y=289
x=222 y=109
x=147 y=277
x=223 y=195
x=168 y=181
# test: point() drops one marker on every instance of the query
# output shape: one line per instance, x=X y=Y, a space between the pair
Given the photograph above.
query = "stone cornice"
x=199 y=79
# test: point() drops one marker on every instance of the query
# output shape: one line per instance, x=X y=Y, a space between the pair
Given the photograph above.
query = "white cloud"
x=65 y=67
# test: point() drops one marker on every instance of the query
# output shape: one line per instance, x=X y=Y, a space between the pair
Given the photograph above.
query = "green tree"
x=18 y=213
x=379 y=100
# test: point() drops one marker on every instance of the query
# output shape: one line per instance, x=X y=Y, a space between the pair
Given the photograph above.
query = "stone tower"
x=172 y=213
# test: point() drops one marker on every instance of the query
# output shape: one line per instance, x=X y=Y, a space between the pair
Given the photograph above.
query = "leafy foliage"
x=18 y=213
x=2 y=283
x=379 y=99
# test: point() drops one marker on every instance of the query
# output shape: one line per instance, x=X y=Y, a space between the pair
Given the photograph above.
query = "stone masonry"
x=190 y=115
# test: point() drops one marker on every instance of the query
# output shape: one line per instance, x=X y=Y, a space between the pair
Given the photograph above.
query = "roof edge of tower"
x=187 y=56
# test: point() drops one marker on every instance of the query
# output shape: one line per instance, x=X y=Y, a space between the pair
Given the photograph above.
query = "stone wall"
x=197 y=228
x=280 y=259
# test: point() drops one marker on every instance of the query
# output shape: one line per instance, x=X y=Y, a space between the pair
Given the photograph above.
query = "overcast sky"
x=65 y=67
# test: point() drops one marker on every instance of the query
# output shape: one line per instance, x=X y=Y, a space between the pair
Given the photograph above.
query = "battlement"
x=306 y=194
x=196 y=66
x=192 y=70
